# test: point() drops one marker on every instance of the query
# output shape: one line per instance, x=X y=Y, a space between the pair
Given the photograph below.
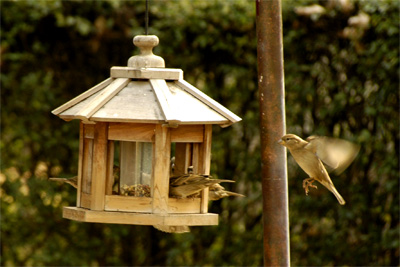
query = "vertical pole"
x=272 y=128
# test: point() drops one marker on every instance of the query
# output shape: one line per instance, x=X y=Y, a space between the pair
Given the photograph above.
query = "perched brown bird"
x=217 y=192
x=337 y=154
x=189 y=184
x=72 y=181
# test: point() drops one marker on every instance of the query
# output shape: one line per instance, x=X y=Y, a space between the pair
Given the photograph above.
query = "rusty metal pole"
x=272 y=128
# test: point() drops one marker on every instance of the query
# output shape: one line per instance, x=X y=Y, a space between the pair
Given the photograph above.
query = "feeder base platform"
x=85 y=215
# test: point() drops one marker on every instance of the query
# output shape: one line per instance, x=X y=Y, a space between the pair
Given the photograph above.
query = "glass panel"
x=135 y=168
x=181 y=158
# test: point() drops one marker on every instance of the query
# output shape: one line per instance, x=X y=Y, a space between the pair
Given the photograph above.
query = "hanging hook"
x=147 y=18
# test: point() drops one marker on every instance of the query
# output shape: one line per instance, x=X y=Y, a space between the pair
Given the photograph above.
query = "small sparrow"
x=337 y=154
x=217 y=192
x=189 y=184
x=72 y=181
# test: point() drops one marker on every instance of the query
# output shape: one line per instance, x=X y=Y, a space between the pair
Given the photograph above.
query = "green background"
x=341 y=80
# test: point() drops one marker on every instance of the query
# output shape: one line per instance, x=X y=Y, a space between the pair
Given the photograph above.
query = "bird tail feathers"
x=332 y=188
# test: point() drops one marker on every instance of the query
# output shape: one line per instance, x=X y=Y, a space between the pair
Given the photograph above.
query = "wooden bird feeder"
x=132 y=124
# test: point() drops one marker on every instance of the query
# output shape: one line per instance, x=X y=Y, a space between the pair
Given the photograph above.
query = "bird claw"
x=308 y=183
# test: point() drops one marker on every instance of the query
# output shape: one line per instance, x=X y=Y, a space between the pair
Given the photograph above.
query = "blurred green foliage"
x=342 y=80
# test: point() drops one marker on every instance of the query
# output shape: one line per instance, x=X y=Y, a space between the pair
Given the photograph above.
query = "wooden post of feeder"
x=272 y=124
x=205 y=161
x=99 y=165
x=161 y=165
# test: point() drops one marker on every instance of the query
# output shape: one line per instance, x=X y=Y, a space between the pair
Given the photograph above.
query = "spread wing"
x=337 y=154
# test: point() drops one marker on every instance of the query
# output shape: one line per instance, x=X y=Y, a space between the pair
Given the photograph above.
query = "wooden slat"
x=161 y=165
x=144 y=132
x=144 y=204
x=84 y=215
x=86 y=200
x=147 y=73
x=127 y=203
x=205 y=163
x=135 y=102
x=208 y=100
x=191 y=219
x=82 y=96
x=89 y=131
x=138 y=132
x=188 y=134
x=184 y=205
x=183 y=158
x=97 y=102
x=165 y=100
x=99 y=166
x=80 y=164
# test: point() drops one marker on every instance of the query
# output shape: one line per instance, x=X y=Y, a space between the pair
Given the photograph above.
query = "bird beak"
x=281 y=142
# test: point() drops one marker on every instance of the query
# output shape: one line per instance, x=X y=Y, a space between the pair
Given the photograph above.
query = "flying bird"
x=310 y=154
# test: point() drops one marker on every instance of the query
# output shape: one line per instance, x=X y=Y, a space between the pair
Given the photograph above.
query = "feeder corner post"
x=272 y=128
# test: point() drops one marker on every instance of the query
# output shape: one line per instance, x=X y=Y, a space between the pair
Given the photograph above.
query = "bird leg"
x=308 y=183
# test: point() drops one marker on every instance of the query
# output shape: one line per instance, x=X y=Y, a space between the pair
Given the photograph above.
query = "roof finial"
x=146 y=59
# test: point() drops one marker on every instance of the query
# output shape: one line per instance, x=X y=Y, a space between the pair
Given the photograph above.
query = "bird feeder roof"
x=146 y=92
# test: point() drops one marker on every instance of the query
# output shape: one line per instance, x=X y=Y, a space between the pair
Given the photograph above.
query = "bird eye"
x=287 y=138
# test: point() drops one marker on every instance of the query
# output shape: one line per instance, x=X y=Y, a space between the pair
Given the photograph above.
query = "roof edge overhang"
x=121 y=76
